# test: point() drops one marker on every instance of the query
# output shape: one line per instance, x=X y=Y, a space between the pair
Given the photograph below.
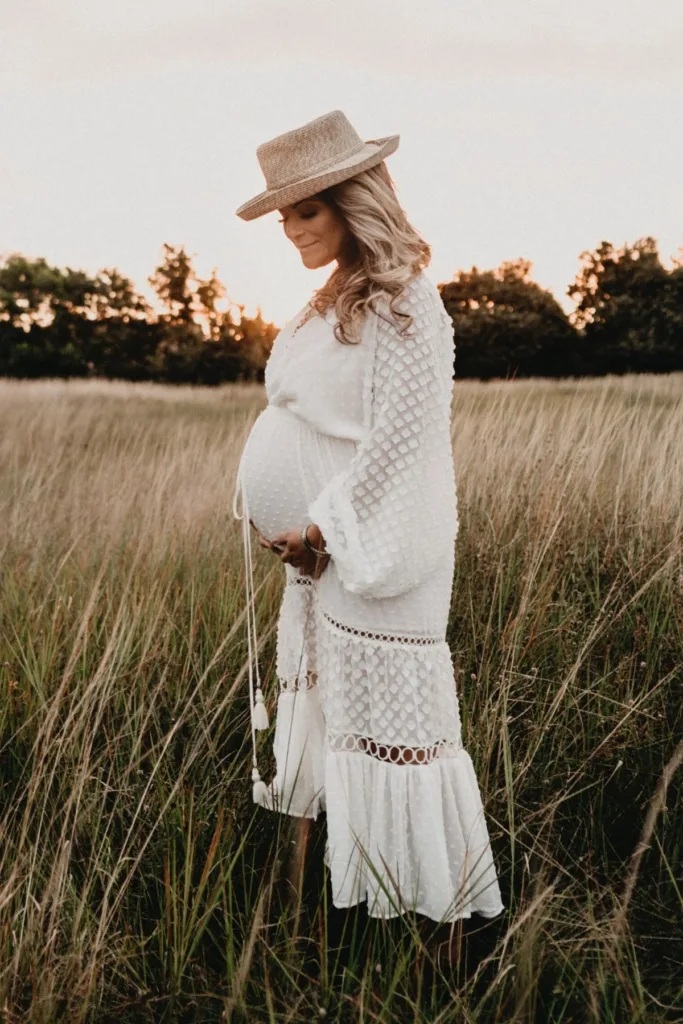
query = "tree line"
x=66 y=323
x=54 y=322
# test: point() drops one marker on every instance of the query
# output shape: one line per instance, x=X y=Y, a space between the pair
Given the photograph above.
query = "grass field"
x=137 y=880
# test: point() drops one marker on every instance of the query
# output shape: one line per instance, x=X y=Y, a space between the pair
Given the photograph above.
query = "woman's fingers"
x=314 y=566
x=291 y=550
x=294 y=558
x=263 y=541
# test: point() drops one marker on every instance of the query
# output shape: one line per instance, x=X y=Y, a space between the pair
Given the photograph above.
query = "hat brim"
x=373 y=152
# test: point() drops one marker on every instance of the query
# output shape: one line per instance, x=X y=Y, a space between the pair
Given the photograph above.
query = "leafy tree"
x=27 y=290
x=56 y=322
x=208 y=294
x=255 y=336
x=233 y=349
x=507 y=325
x=116 y=298
x=172 y=281
x=630 y=309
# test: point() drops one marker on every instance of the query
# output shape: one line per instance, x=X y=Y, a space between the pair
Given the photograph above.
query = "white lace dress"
x=356 y=438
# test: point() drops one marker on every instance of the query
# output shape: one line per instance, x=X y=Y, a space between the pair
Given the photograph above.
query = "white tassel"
x=260 y=712
x=260 y=790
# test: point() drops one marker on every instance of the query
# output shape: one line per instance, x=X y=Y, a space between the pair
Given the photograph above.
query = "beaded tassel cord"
x=258 y=710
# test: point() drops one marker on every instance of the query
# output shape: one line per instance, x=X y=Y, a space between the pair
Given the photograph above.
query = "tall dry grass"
x=137 y=880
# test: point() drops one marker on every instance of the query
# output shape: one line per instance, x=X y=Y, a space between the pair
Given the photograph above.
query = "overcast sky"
x=536 y=128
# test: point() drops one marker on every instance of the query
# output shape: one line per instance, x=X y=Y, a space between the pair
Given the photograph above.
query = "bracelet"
x=307 y=544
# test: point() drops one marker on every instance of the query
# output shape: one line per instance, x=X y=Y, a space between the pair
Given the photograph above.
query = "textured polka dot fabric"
x=356 y=438
x=284 y=464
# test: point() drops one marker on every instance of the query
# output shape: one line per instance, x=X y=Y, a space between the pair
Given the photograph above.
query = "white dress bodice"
x=318 y=378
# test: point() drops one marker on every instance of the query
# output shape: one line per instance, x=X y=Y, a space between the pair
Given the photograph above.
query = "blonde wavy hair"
x=384 y=253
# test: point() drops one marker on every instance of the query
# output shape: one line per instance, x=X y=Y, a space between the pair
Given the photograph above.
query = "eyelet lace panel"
x=396 y=638
x=399 y=694
x=350 y=742
x=296 y=649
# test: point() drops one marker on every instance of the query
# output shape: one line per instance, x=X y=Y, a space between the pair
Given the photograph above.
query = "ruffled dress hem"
x=404 y=837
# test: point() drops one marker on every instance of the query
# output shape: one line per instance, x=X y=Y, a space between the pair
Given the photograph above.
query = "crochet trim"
x=306 y=682
x=352 y=743
x=368 y=634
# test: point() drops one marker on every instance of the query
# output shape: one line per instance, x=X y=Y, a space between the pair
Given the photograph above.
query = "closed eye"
x=304 y=216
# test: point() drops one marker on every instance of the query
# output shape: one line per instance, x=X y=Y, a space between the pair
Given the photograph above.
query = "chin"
x=313 y=262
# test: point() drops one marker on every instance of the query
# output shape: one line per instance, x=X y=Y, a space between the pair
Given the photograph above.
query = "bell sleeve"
x=390 y=517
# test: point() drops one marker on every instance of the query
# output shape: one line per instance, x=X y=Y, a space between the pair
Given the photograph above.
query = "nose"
x=296 y=234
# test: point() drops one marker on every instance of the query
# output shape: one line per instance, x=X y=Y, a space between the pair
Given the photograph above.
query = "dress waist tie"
x=257 y=707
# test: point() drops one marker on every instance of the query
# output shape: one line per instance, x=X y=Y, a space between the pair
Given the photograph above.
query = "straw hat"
x=308 y=159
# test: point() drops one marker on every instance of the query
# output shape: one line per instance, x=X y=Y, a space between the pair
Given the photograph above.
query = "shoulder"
x=421 y=300
x=418 y=294
x=421 y=290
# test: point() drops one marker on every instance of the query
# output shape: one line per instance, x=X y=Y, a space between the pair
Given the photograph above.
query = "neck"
x=347 y=257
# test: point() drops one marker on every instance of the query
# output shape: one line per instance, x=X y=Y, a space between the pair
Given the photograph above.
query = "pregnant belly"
x=285 y=464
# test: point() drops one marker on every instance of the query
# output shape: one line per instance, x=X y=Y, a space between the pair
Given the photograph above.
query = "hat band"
x=325 y=165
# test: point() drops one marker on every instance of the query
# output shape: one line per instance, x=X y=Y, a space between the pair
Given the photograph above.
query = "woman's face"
x=317 y=230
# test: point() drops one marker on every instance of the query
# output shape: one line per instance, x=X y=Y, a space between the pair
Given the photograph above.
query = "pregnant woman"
x=347 y=476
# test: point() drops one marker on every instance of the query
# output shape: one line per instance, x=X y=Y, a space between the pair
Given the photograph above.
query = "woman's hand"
x=263 y=541
x=291 y=549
